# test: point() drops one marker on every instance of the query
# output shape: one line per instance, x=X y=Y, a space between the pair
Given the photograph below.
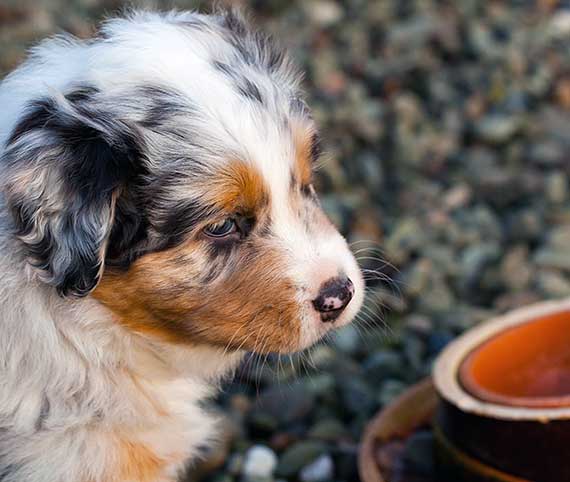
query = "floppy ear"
x=63 y=169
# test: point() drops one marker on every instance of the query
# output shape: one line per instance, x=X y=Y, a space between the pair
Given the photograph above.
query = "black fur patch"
x=299 y=107
x=249 y=90
x=8 y=470
x=181 y=216
x=245 y=86
x=92 y=156
x=225 y=68
x=316 y=147
x=254 y=47
x=163 y=105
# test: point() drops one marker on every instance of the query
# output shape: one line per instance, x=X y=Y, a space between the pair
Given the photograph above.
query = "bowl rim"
x=447 y=367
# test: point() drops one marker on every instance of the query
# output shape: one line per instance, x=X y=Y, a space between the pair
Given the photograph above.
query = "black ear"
x=64 y=167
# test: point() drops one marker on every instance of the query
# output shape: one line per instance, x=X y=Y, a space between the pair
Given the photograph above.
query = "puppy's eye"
x=222 y=229
x=308 y=190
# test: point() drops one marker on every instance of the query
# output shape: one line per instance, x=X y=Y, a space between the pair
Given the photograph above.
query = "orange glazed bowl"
x=505 y=393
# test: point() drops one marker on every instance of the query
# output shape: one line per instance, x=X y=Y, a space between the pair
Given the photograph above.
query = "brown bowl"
x=505 y=392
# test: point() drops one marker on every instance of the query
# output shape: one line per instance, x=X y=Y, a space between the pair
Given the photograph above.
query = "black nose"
x=334 y=296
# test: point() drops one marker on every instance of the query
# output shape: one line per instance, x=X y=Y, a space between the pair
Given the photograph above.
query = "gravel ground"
x=447 y=127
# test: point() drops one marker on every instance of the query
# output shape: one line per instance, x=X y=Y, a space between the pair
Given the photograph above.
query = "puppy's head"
x=170 y=177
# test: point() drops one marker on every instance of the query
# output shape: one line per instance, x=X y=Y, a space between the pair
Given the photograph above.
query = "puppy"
x=157 y=219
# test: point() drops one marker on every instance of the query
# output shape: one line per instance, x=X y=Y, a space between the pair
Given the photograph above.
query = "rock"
x=234 y=465
x=474 y=260
x=559 y=237
x=553 y=284
x=390 y=390
x=324 y=12
x=323 y=357
x=547 y=153
x=559 y=25
x=419 y=324
x=263 y=422
x=347 y=340
x=260 y=462
x=497 y=129
x=407 y=236
x=328 y=430
x=557 y=187
x=321 y=384
x=284 y=404
x=525 y=225
x=437 y=296
x=357 y=396
x=510 y=301
x=279 y=441
x=415 y=352
x=458 y=197
x=298 y=456
x=438 y=340
x=222 y=478
x=371 y=170
x=443 y=257
x=417 y=278
x=321 y=470
x=516 y=271
x=556 y=258
x=382 y=365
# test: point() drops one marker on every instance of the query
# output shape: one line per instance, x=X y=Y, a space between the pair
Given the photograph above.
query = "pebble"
x=553 y=258
x=328 y=430
x=298 y=456
x=382 y=365
x=260 y=462
x=347 y=339
x=390 y=390
x=497 y=129
x=324 y=12
x=552 y=283
x=557 y=187
x=321 y=470
x=284 y=404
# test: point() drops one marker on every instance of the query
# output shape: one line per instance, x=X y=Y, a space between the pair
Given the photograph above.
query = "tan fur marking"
x=252 y=307
x=303 y=138
x=238 y=187
x=137 y=463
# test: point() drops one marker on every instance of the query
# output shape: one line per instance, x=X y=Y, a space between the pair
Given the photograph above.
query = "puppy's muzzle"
x=334 y=296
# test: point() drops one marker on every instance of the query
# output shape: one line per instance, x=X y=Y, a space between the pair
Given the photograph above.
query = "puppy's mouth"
x=331 y=316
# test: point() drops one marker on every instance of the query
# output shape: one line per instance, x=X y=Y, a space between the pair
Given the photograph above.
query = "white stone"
x=321 y=470
x=260 y=462
x=324 y=12
x=560 y=24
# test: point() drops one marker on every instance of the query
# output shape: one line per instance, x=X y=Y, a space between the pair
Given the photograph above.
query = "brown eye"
x=222 y=229
x=308 y=190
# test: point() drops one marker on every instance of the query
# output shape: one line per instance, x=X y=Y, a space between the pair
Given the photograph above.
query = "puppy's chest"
x=165 y=432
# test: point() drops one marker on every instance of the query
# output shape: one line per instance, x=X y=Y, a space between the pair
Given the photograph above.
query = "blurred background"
x=447 y=131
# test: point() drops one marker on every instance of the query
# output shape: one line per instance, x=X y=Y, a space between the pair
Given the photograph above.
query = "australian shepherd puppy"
x=157 y=219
